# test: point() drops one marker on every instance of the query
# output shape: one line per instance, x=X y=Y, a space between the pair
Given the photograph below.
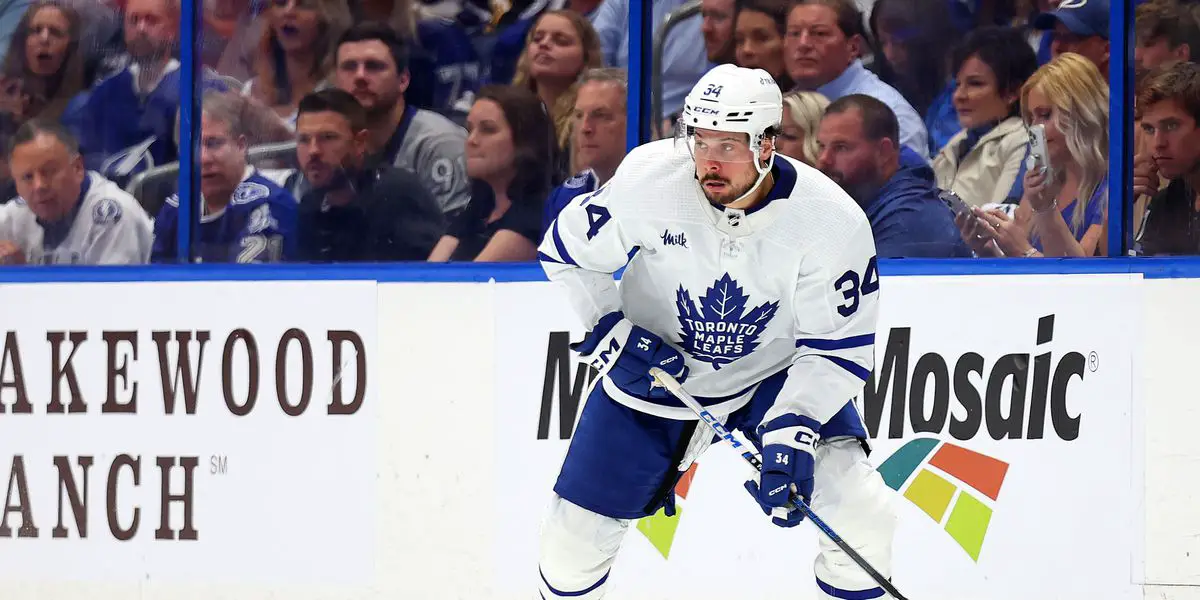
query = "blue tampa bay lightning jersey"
x=122 y=131
x=745 y=294
x=258 y=226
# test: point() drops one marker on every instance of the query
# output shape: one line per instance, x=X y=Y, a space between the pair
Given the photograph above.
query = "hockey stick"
x=665 y=380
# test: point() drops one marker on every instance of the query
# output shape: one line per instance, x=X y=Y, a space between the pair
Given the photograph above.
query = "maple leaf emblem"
x=720 y=330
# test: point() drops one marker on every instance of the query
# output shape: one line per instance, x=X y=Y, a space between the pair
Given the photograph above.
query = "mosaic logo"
x=659 y=528
x=954 y=486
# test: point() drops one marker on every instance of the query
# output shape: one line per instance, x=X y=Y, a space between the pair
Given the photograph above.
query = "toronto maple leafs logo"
x=721 y=330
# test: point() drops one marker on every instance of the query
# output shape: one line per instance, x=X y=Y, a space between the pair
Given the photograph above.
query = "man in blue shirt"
x=684 y=55
x=821 y=49
x=860 y=150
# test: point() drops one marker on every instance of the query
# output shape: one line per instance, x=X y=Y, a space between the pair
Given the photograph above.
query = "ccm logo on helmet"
x=704 y=110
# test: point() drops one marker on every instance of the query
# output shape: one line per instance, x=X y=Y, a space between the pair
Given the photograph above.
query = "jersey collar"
x=739 y=222
x=392 y=149
x=54 y=233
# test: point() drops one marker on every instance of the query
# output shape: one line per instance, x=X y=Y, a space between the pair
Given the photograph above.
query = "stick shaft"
x=664 y=379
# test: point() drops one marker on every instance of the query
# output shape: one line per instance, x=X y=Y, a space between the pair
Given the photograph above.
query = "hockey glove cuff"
x=625 y=353
x=788 y=465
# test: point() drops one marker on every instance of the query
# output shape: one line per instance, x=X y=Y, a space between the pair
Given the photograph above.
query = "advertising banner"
x=188 y=432
x=1000 y=410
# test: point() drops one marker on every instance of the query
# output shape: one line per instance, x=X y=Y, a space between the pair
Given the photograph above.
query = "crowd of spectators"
x=455 y=130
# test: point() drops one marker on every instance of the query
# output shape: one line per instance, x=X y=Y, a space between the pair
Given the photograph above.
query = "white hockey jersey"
x=109 y=228
x=790 y=284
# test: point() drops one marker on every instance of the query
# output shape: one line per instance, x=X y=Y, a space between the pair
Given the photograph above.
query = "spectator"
x=717 y=26
x=824 y=41
x=984 y=162
x=8 y=128
x=99 y=37
x=46 y=58
x=244 y=216
x=914 y=36
x=1169 y=106
x=372 y=64
x=1079 y=28
x=684 y=56
x=859 y=141
x=508 y=149
x=293 y=53
x=597 y=138
x=65 y=214
x=802 y=112
x=354 y=212
x=1064 y=214
x=758 y=38
x=145 y=94
x=1166 y=31
x=443 y=64
x=561 y=45
x=227 y=39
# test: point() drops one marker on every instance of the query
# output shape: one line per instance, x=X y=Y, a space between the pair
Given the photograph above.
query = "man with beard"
x=371 y=63
x=753 y=280
x=126 y=123
x=859 y=147
x=353 y=212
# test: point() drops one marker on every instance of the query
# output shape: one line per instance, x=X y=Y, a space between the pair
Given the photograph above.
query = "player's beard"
x=727 y=197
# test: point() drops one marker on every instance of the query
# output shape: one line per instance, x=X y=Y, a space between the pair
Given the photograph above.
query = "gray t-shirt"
x=433 y=147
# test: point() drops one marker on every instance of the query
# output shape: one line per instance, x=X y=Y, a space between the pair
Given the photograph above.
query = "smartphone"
x=956 y=204
x=1038 y=157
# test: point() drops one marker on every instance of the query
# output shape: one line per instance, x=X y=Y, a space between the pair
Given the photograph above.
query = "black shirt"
x=391 y=218
x=1172 y=223
x=473 y=232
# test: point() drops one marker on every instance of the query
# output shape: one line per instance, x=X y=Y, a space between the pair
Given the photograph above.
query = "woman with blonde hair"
x=295 y=54
x=560 y=46
x=802 y=112
x=1063 y=211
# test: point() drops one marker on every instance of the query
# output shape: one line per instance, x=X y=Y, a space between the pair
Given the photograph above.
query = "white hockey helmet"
x=735 y=99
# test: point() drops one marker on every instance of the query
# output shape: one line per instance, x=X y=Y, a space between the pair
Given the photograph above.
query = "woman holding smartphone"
x=1063 y=208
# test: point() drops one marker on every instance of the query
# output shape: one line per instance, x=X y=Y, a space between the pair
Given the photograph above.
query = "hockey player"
x=753 y=281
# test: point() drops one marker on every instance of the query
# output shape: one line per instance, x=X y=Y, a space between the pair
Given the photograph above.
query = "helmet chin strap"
x=762 y=174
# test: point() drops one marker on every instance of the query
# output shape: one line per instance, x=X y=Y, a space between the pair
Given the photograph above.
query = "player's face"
x=758 y=43
x=815 y=50
x=599 y=126
x=150 y=29
x=222 y=158
x=489 y=142
x=847 y=157
x=366 y=70
x=555 y=49
x=724 y=165
x=48 y=176
x=977 y=99
x=46 y=44
x=717 y=27
x=1174 y=137
x=1042 y=112
x=326 y=146
x=295 y=23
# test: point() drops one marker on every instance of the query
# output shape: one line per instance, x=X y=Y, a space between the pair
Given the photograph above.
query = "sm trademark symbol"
x=218 y=464
x=1093 y=361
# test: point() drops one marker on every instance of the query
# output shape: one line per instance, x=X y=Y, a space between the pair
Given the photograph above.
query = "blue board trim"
x=1151 y=268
